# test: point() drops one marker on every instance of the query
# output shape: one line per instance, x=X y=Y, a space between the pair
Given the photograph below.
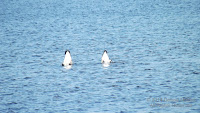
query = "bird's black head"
x=67 y=51
x=105 y=51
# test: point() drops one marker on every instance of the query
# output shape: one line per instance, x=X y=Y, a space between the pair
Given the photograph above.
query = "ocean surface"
x=154 y=44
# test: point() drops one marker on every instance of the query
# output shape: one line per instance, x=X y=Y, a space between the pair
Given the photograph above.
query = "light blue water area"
x=154 y=44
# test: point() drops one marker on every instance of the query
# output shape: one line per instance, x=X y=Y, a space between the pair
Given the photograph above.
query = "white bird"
x=105 y=59
x=68 y=59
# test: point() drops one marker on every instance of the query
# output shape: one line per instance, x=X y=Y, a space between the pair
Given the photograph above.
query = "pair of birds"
x=68 y=59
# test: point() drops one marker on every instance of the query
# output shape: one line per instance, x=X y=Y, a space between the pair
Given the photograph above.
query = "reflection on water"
x=68 y=66
x=105 y=65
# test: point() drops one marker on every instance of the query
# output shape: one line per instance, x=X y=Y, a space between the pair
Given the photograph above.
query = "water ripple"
x=154 y=46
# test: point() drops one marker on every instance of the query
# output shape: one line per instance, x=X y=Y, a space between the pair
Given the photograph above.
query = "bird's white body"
x=68 y=59
x=105 y=59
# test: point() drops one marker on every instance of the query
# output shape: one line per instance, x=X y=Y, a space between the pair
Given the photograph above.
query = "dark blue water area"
x=154 y=44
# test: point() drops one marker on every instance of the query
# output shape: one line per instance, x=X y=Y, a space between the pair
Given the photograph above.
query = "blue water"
x=155 y=46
